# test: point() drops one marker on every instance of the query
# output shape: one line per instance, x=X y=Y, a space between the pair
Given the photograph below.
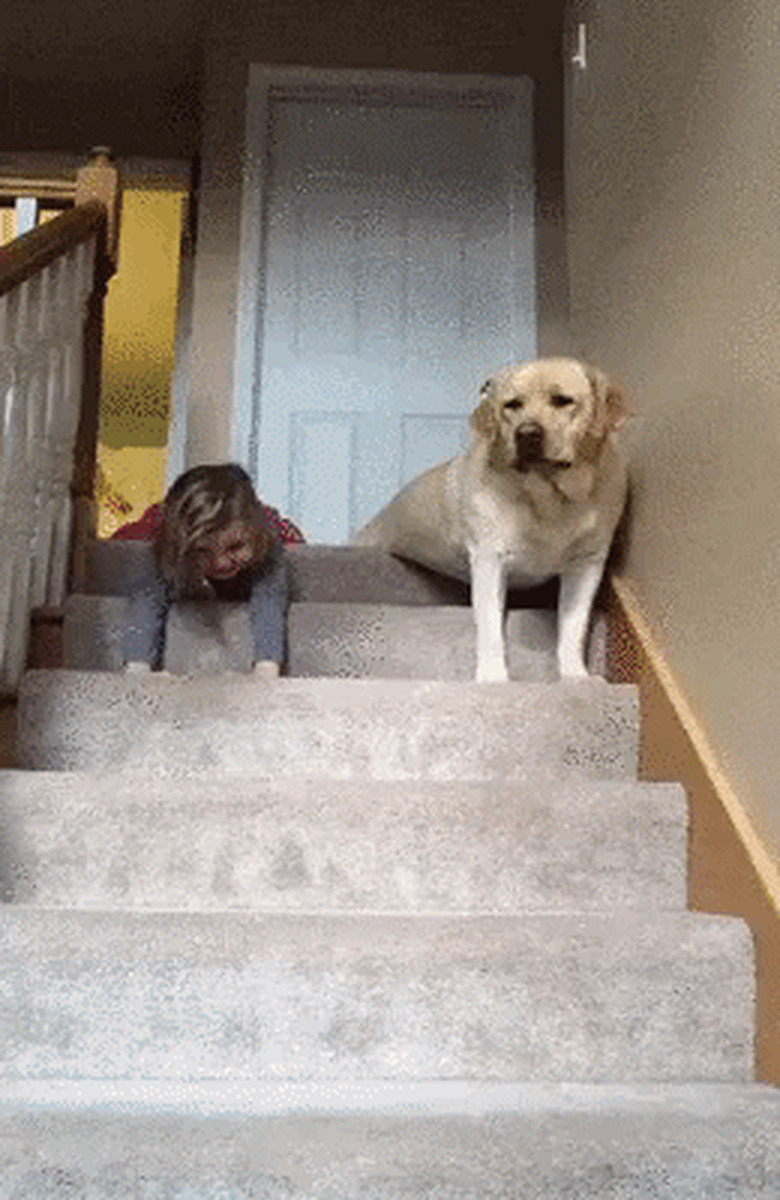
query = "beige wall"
x=208 y=388
x=674 y=240
x=482 y=37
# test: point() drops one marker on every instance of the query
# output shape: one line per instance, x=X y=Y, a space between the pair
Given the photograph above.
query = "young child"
x=212 y=540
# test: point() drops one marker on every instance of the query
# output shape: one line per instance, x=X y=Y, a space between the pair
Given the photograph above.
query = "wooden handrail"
x=29 y=254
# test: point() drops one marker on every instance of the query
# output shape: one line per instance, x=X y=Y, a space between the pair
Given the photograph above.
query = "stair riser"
x=307 y=845
x=390 y=642
x=205 y=637
x=93 y=631
x=325 y=640
x=623 y=1152
x=538 y=998
x=339 y=729
x=318 y=573
x=336 y=641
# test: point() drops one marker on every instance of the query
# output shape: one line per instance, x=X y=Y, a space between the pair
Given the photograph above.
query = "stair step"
x=201 y=637
x=111 y=568
x=379 y=1141
x=340 y=729
x=319 y=573
x=253 y=842
x=396 y=642
x=322 y=574
x=92 y=632
x=208 y=637
x=343 y=640
x=270 y=996
x=346 y=640
x=366 y=575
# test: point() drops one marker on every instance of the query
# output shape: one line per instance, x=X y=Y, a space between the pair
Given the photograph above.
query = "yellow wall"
x=8 y=221
x=7 y=225
x=140 y=319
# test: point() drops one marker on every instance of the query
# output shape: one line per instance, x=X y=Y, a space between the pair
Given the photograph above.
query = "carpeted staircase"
x=371 y=931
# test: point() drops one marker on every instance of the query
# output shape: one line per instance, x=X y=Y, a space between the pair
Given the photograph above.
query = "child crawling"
x=213 y=539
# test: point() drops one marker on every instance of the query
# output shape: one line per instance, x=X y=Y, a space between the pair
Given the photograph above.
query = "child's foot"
x=266 y=669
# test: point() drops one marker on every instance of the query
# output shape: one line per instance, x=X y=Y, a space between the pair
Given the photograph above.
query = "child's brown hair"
x=202 y=501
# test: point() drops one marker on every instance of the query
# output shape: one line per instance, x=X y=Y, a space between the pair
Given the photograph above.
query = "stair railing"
x=53 y=282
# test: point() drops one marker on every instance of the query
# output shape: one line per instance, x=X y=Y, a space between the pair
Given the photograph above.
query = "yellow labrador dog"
x=538 y=494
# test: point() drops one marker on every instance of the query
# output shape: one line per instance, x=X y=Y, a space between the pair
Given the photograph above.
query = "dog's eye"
x=558 y=400
x=513 y=405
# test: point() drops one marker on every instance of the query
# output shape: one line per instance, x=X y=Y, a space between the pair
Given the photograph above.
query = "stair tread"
x=401 y=642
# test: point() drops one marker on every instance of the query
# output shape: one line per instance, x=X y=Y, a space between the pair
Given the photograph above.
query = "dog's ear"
x=612 y=406
x=618 y=408
x=483 y=419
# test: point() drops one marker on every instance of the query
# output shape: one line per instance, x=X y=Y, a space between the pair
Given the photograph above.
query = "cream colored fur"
x=538 y=494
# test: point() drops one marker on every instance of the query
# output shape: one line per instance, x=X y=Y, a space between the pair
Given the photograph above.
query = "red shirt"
x=146 y=528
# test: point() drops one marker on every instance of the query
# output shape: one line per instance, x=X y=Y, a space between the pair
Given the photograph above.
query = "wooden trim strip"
x=58 y=190
x=27 y=255
x=762 y=862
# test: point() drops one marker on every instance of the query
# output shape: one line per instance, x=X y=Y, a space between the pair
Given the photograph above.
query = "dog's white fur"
x=538 y=494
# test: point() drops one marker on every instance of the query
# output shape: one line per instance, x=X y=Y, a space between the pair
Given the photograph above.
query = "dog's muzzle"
x=529 y=445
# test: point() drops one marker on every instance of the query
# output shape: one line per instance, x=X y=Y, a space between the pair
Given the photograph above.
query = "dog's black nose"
x=529 y=443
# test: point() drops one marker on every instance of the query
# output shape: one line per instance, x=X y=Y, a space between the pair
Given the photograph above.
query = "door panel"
x=320 y=441
x=428 y=439
x=396 y=270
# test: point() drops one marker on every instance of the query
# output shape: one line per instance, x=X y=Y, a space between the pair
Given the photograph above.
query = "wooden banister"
x=97 y=183
x=29 y=254
x=100 y=180
x=53 y=283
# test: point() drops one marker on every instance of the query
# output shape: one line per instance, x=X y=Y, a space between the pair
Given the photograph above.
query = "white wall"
x=674 y=250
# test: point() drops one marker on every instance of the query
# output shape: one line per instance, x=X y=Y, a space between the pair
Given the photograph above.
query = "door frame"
x=264 y=81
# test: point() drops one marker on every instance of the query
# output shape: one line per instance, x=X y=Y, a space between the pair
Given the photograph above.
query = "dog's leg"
x=488 y=597
x=578 y=591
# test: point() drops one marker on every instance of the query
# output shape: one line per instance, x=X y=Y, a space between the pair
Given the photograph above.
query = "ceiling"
x=128 y=72
x=95 y=35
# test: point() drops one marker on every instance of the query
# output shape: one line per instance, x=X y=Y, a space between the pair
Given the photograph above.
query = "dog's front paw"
x=575 y=671
x=493 y=670
x=137 y=667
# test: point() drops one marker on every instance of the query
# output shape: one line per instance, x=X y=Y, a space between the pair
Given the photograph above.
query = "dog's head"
x=548 y=415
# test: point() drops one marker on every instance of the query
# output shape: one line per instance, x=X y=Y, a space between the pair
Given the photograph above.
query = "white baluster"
x=41 y=354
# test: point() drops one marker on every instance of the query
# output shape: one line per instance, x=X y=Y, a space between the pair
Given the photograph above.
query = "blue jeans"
x=151 y=600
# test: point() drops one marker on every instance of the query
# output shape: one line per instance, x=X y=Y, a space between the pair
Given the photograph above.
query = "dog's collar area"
x=569 y=481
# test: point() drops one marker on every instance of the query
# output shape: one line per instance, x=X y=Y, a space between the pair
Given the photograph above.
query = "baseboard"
x=730 y=870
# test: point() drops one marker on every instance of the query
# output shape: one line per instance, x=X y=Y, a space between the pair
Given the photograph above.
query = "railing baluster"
x=52 y=283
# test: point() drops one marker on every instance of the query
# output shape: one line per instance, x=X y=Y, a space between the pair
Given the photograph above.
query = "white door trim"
x=291 y=81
